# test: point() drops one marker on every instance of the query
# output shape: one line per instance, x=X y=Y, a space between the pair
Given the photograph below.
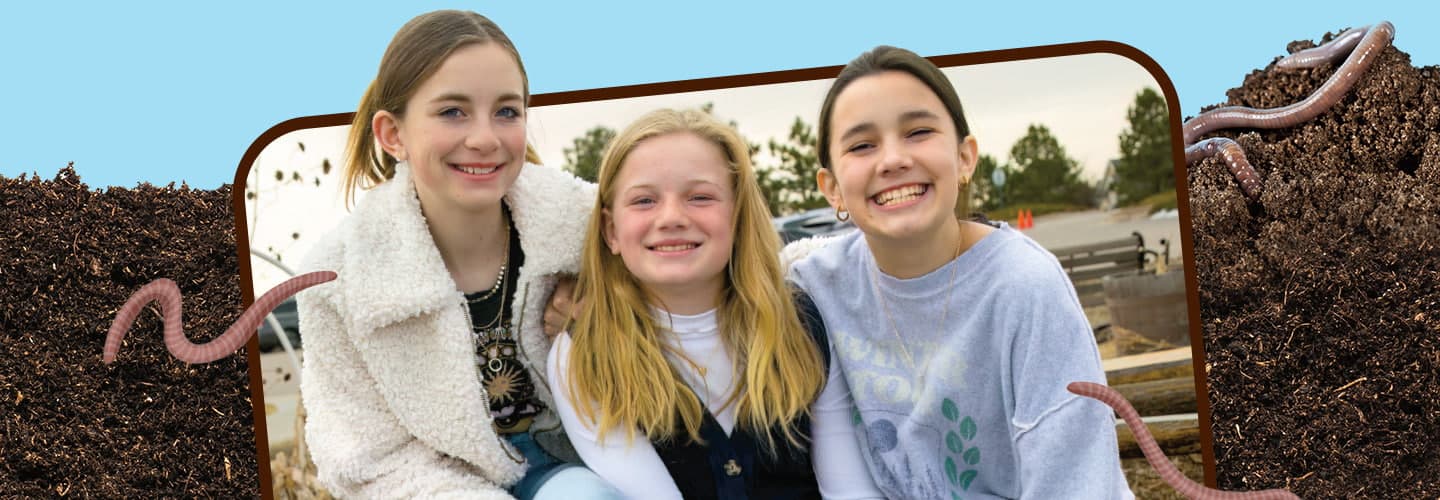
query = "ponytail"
x=365 y=167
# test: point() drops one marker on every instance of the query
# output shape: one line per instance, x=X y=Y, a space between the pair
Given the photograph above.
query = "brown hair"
x=886 y=58
x=417 y=51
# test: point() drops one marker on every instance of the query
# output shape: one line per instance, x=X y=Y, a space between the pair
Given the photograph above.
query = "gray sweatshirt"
x=991 y=417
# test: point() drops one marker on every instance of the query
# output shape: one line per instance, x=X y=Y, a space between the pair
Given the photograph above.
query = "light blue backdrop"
x=175 y=92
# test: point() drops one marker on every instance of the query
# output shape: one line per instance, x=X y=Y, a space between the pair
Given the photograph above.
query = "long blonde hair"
x=417 y=51
x=619 y=374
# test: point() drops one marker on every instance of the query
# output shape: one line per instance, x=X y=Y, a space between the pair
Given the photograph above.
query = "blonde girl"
x=688 y=371
x=957 y=337
x=421 y=374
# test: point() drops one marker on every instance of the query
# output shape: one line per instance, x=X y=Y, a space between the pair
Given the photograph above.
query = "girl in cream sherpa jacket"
x=390 y=381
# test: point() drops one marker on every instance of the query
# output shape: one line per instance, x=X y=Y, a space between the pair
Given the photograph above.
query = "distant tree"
x=583 y=156
x=1145 y=166
x=790 y=185
x=709 y=109
x=1044 y=173
x=986 y=194
x=787 y=177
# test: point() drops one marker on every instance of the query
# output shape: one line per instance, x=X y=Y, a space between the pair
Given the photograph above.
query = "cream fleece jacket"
x=394 y=399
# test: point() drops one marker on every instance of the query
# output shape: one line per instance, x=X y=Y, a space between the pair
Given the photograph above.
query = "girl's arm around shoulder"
x=798 y=250
x=836 y=452
x=359 y=448
x=633 y=467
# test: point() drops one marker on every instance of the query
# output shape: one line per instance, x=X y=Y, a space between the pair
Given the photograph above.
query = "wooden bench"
x=1087 y=264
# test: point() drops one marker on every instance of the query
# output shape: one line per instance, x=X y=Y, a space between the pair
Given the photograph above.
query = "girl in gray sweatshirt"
x=956 y=338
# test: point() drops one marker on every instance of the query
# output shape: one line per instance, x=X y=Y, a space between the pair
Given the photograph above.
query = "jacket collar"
x=400 y=271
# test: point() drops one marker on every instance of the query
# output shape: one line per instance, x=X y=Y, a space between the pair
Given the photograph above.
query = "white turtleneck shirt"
x=635 y=468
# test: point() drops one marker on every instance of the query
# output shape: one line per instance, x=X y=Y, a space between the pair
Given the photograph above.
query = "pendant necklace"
x=885 y=307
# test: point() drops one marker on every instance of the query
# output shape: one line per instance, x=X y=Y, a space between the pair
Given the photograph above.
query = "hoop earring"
x=841 y=215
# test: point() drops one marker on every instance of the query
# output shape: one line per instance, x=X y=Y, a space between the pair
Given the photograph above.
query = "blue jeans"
x=549 y=478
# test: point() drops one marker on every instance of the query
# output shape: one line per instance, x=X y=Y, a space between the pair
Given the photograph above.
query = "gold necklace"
x=885 y=307
x=496 y=320
x=504 y=287
x=504 y=264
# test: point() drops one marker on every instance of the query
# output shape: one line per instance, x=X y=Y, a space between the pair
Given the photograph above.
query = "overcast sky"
x=1082 y=99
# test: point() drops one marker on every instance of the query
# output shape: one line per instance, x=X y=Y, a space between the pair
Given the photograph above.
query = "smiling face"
x=897 y=159
x=671 y=219
x=463 y=130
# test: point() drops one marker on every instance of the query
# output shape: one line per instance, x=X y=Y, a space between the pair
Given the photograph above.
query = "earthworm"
x=1332 y=50
x=1234 y=157
x=167 y=294
x=1162 y=465
x=1363 y=46
x=1375 y=39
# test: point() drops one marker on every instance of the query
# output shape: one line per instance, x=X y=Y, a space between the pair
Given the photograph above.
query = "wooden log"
x=1176 y=435
x=1170 y=363
x=1161 y=397
x=1160 y=371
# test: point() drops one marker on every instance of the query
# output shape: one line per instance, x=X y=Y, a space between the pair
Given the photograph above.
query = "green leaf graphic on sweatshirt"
x=967 y=429
x=955 y=444
x=968 y=477
x=972 y=455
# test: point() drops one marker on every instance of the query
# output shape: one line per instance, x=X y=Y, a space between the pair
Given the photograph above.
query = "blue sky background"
x=170 y=91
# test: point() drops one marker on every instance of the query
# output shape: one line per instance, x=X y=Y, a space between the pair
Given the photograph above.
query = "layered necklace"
x=945 y=314
x=493 y=337
x=507 y=387
x=499 y=277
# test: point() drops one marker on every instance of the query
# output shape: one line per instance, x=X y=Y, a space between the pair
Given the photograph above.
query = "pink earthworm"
x=1162 y=465
x=167 y=294
x=1366 y=50
x=1234 y=158
x=1363 y=46
x=1314 y=56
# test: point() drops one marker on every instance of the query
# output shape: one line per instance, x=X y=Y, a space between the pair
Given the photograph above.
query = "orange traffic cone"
x=1029 y=219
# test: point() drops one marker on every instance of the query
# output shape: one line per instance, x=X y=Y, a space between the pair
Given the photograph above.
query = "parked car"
x=289 y=320
x=814 y=222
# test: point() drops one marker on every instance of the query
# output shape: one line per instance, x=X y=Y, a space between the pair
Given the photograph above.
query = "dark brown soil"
x=147 y=426
x=1321 y=303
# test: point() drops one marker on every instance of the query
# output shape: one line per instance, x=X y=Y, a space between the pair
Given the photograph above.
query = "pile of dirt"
x=149 y=425
x=1321 y=302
